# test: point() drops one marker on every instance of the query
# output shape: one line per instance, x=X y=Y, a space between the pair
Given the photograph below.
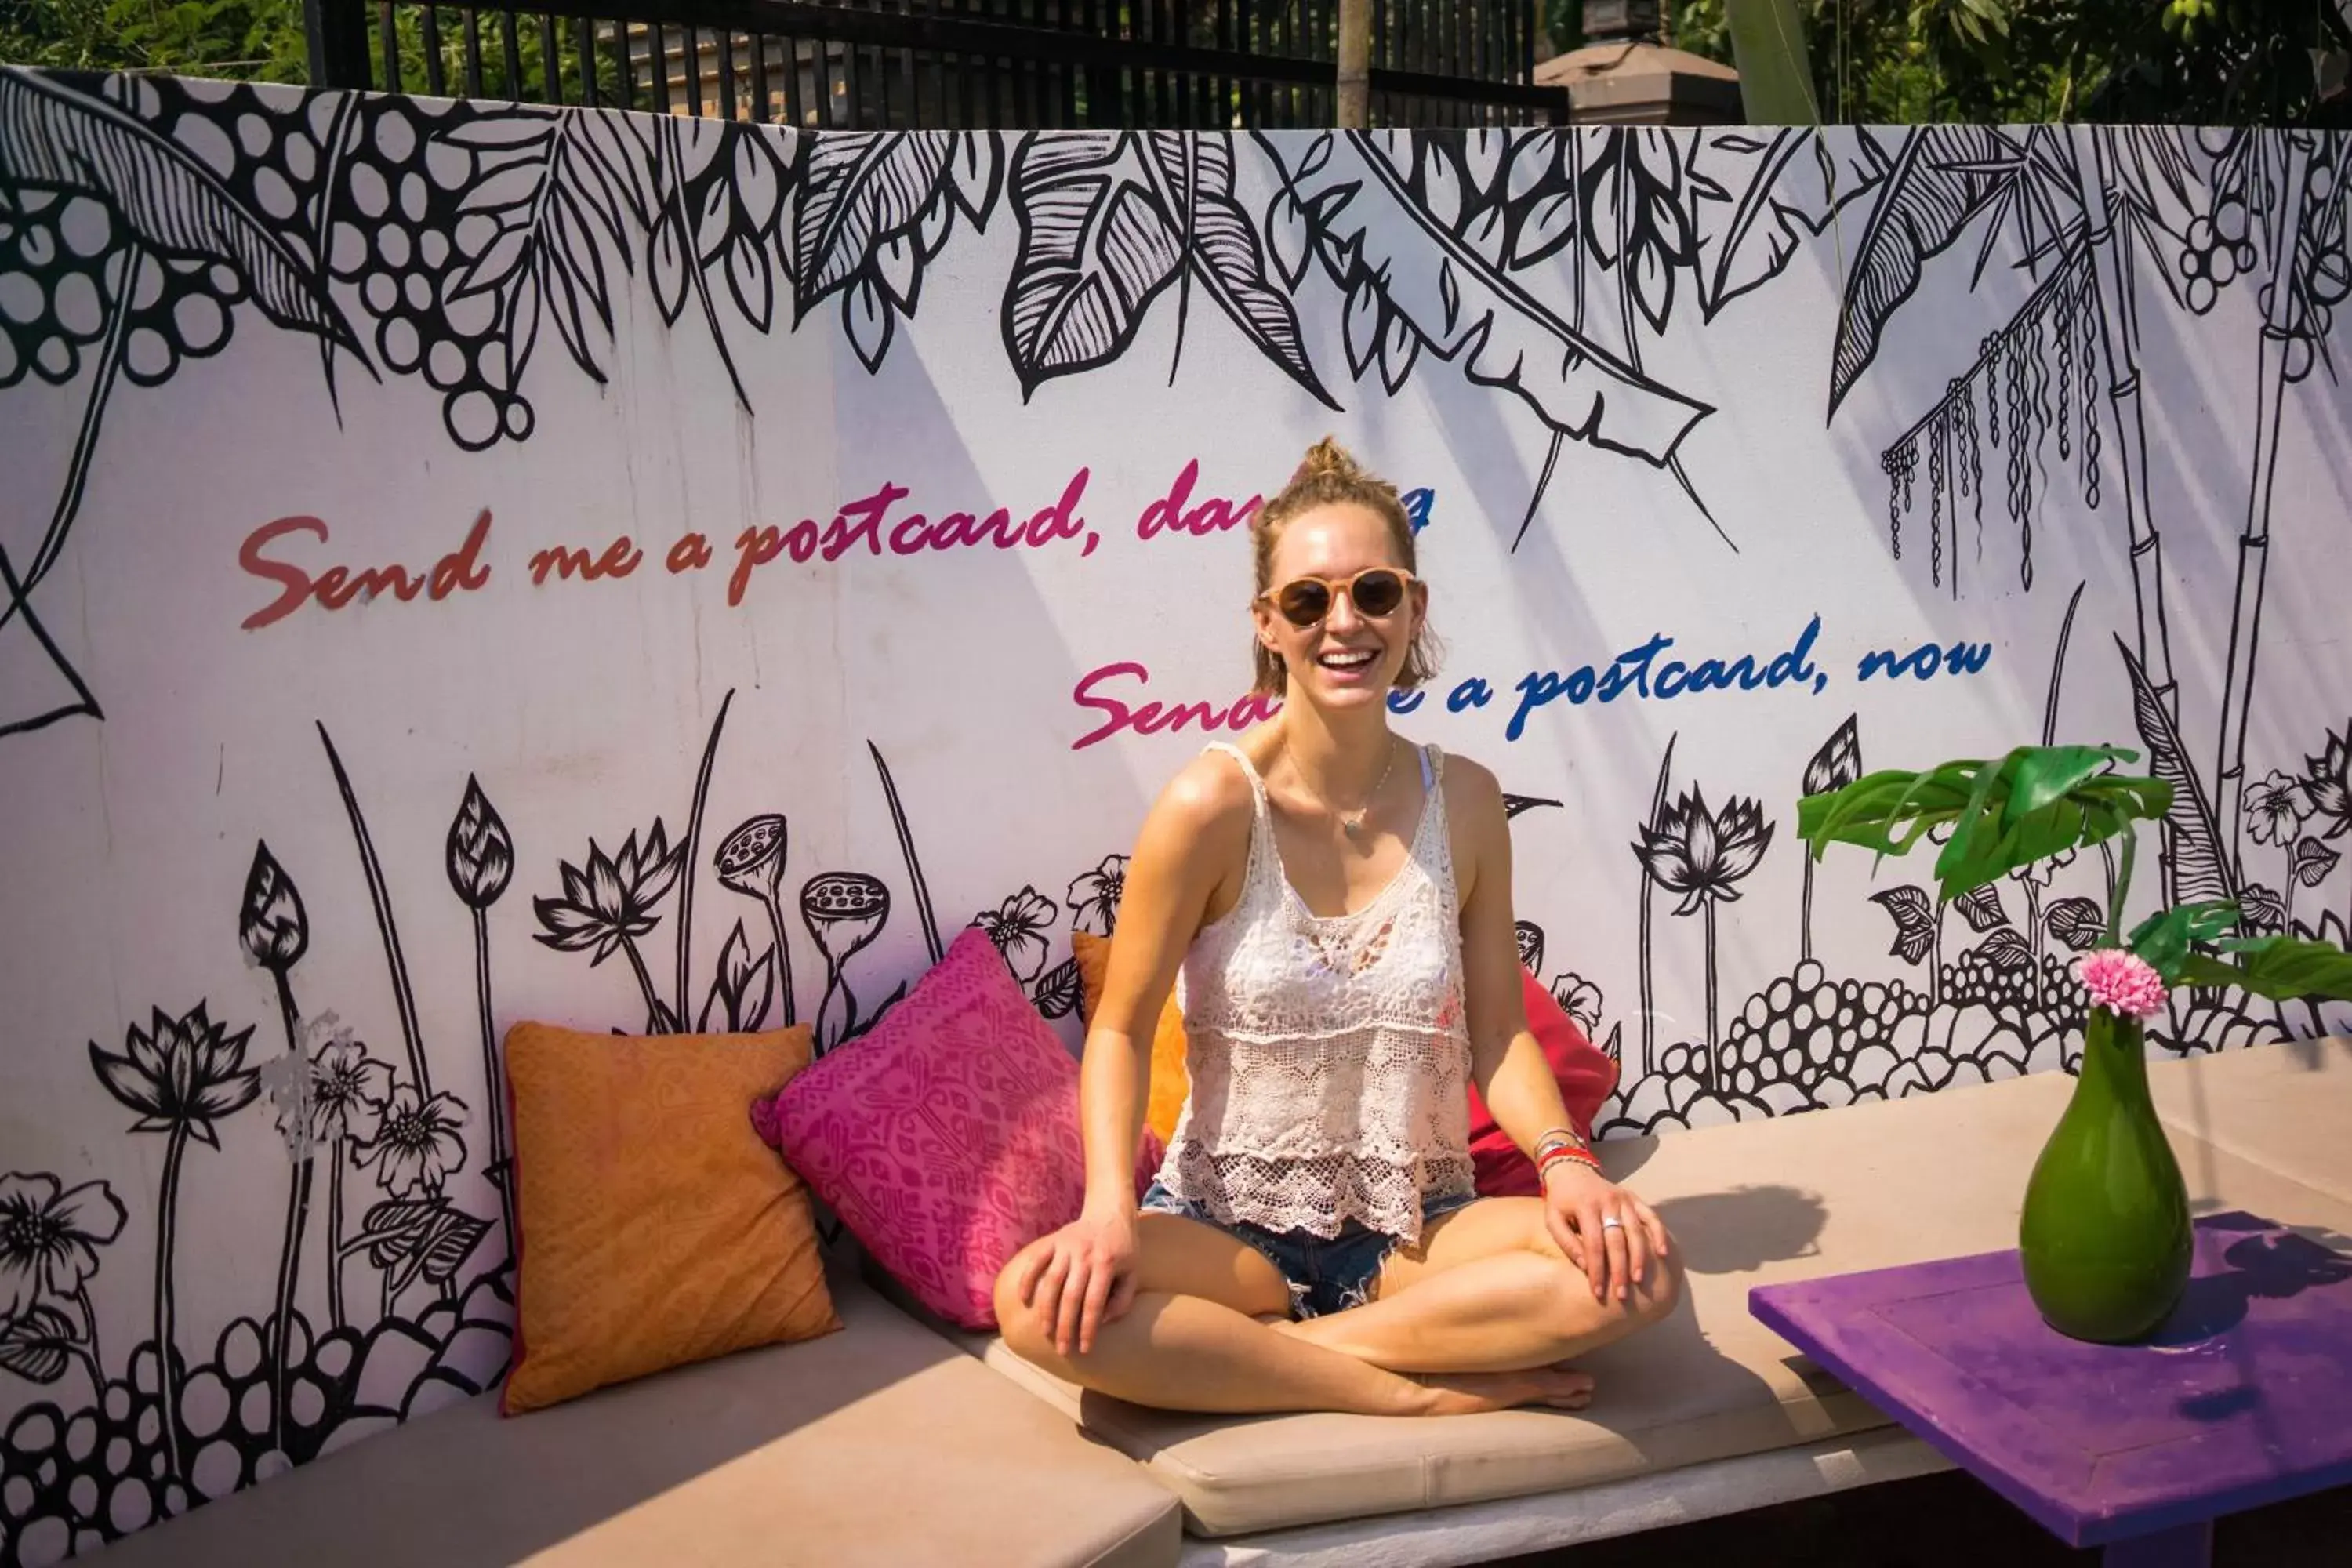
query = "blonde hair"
x=1331 y=476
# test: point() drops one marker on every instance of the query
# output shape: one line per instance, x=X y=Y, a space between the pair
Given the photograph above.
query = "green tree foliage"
x=2206 y=62
x=259 y=40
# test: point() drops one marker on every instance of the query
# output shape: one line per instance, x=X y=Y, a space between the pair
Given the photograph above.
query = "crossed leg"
x=1477 y=1317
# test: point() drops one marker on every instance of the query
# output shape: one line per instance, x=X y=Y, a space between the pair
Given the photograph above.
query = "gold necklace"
x=1351 y=823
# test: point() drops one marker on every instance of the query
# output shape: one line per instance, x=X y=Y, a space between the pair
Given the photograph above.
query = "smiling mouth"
x=1347 y=660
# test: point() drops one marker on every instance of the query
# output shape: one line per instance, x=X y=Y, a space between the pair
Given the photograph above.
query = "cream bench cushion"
x=876 y=1445
x=1866 y=1186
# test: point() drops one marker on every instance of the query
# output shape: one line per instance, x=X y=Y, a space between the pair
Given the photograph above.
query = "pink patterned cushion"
x=946 y=1138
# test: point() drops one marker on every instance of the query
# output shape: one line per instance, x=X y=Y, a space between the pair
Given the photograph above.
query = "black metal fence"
x=910 y=64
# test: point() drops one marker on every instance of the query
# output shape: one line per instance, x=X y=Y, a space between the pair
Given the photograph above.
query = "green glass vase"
x=2104 y=1233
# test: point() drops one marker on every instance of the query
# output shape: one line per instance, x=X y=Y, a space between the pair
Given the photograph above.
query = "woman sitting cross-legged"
x=1340 y=903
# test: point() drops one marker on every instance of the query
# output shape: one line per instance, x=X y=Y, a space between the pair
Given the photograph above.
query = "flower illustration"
x=181 y=1076
x=1578 y=998
x=480 y=853
x=1094 y=897
x=750 y=860
x=1018 y=928
x=348 y=1090
x=2327 y=783
x=844 y=910
x=417 y=1143
x=610 y=903
x=183 y=1073
x=1701 y=854
x=1839 y=761
x=272 y=924
x=2276 y=808
x=50 y=1238
x=2122 y=982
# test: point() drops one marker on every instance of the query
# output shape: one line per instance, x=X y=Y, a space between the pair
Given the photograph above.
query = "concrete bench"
x=882 y=1444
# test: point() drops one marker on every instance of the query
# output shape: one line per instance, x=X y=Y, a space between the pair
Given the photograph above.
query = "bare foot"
x=1560 y=1387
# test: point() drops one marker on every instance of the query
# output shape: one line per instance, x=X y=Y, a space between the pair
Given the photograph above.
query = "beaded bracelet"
x=1558 y=1153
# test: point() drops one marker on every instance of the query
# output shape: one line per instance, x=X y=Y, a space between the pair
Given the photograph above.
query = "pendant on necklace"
x=1353 y=826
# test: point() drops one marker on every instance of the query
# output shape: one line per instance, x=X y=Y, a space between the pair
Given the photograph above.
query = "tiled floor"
x=1945 y=1521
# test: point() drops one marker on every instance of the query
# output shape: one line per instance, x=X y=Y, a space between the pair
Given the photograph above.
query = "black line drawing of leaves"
x=741 y=989
x=1914 y=921
x=33 y=1343
x=1412 y=281
x=2313 y=861
x=874 y=208
x=1221 y=247
x=1757 y=198
x=1939 y=184
x=1980 y=907
x=1097 y=243
x=2076 y=922
x=1515 y=803
x=2264 y=910
x=452 y=1236
x=857 y=193
x=1635 y=191
x=2007 y=951
x=1060 y=990
x=2196 y=865
x=392 y=1230
x=59 y=137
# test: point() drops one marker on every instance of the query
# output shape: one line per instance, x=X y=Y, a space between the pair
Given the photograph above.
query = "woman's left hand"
x=1604 y=1230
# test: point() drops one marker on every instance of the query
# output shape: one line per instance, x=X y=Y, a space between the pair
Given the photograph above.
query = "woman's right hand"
x=1083 y=1278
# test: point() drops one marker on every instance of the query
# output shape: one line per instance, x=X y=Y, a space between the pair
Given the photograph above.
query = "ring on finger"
x=1610 y=1221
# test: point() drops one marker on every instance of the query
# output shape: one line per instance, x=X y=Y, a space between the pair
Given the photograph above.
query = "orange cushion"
x=1170 y=1081
x=656 y=1230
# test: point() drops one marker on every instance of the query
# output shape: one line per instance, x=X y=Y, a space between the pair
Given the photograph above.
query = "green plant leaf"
x=1776 y=80
x=2044 y=775
x=2036 y=802
x=2165 y=938
x=2282 y=968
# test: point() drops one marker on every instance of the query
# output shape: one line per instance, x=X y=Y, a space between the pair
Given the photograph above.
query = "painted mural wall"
x=469 y=562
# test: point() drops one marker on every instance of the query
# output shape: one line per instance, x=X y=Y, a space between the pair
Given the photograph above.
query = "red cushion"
x=1586 y=1076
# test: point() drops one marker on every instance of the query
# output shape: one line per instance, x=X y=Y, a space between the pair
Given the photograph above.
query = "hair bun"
x=1326 y=456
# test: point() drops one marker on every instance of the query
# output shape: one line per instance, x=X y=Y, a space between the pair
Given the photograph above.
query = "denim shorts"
x=1325 y=1274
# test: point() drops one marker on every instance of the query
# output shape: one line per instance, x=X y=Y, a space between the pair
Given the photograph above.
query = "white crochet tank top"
x=1329 y=1056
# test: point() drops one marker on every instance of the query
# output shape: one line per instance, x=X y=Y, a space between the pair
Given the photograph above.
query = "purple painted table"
x=2244 y=1397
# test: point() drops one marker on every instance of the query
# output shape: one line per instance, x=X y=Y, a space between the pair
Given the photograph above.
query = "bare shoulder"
x=1472 y=795
x=1207 y=803
x=1476 y=822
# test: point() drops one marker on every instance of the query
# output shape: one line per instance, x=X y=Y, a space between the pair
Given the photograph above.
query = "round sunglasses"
x=1376 y=592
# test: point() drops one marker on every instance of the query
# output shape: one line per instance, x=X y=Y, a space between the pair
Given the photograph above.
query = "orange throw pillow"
x=656 y=1230
x=1170 y=1081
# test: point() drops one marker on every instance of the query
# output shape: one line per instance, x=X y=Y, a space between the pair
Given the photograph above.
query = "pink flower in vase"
x=2123 y=983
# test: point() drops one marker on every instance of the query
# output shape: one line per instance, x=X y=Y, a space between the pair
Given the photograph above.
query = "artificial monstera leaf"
x=2282 y=968
x=2165 y=938
x=2036 y=802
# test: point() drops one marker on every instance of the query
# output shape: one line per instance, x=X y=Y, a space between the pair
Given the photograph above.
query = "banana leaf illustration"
x=164 y=204
x=1759 y=197
x=1413 y=284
